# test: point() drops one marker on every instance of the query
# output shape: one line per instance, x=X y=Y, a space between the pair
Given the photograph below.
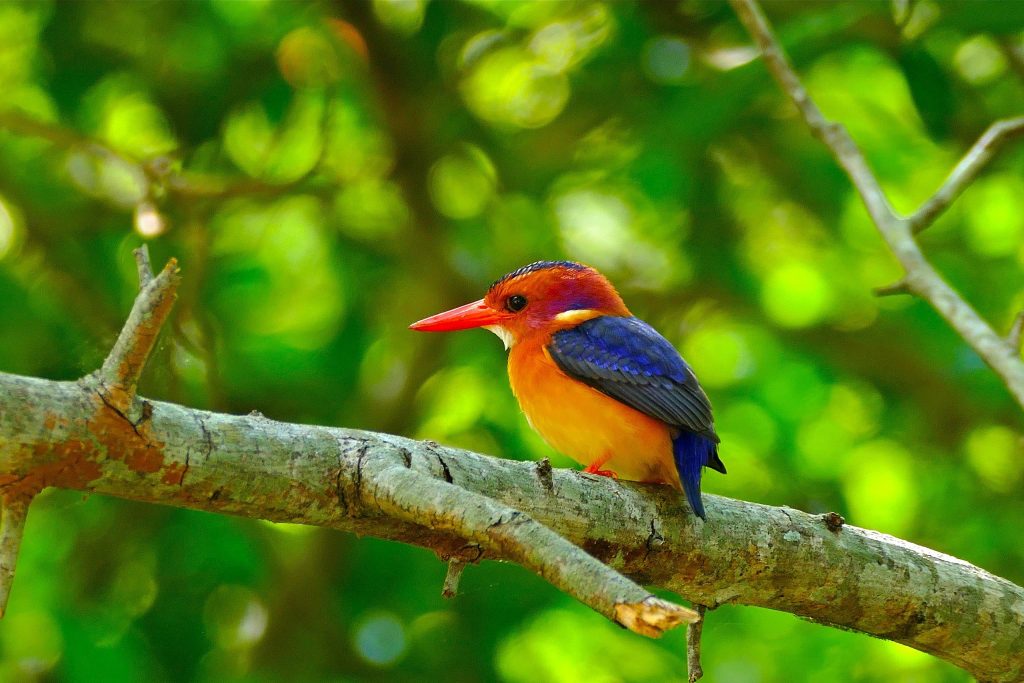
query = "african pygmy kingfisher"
x=597 y=383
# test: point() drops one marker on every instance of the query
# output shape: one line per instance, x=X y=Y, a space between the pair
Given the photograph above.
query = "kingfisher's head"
x=537 y=299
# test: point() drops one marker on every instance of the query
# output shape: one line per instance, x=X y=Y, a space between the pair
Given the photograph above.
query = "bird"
x=597 y=383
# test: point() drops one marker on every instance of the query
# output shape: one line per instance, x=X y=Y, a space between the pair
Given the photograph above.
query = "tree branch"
x=61 y=434
x=160 y=177
x=122 y=368
x=404 y=494
x=1014 y=338
x=468 y=507
x=13 y=512
x=694 y=670
x=1013 y=52
x=921 y=278
x=387 y=483
x=966 y=170
x=452 y=577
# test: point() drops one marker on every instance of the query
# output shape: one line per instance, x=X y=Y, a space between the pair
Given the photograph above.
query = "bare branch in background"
x=920 y=277
x=1014 y=338
x=896 y=288
x=1014 y=53
x=966 y=170
x=160 y=177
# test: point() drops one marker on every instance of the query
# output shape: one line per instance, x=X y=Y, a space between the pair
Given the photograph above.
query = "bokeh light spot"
x=402 y=16
x=796 y=295
x=148 y=220
x=995 y=452
x=512 y=87
x=380 y=639
x=979 y=60
x=879 y=487
x=235 y=617
x=666 y=59
x=723 y=356
x=8 y=229
x=462 y=184
x=307 y=59
x=33 y=641
x=585 y=649
x=596 y=223
x=995 y=224
x=555 y=46
x=456 y=400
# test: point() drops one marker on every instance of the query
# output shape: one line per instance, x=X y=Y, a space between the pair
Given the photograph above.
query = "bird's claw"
x=601 y=473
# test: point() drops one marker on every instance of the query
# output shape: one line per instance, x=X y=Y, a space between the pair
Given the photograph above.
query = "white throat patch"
x=503 y=334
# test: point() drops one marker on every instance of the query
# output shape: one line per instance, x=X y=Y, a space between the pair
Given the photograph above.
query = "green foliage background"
x=329 y=172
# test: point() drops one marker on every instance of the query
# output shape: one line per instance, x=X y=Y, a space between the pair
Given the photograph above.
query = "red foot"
x=595 y=468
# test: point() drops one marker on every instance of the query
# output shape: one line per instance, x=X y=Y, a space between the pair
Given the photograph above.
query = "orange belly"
x=587 y=425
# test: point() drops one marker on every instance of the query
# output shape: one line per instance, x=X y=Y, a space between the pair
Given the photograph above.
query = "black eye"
x=515 y=303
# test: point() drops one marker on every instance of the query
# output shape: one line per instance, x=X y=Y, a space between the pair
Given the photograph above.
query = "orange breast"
x=587 y=425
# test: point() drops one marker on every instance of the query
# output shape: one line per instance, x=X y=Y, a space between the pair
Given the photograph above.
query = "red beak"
x=476 y=314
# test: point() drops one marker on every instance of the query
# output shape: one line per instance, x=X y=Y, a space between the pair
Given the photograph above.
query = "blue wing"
x=627 y=359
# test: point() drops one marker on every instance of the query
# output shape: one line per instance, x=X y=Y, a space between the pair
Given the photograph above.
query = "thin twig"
x=143 y=265
x=20 y=123
x=159 y=178
x=407 y=494
x=966 y=170
x=123 y=366
x=921 y=278
x=12 y=527
x=452 y=578
x=1014 y=54
x=898 y=287
x=1014 y=338
x=693 y=633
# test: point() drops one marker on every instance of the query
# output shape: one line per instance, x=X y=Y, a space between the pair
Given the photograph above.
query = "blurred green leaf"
x=930 y=87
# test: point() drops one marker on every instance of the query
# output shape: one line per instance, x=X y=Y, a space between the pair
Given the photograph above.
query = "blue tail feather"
x=693 y=453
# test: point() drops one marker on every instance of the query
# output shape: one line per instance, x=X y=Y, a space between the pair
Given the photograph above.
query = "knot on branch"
x=834 y=521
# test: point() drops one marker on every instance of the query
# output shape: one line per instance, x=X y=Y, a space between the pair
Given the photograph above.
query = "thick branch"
x=405 y=494
x=61 y=434
x=921 y=277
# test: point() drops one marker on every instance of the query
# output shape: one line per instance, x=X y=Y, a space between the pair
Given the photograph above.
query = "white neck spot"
x=503 y=334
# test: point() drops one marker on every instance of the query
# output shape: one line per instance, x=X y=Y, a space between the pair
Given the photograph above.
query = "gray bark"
x=61 y=434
